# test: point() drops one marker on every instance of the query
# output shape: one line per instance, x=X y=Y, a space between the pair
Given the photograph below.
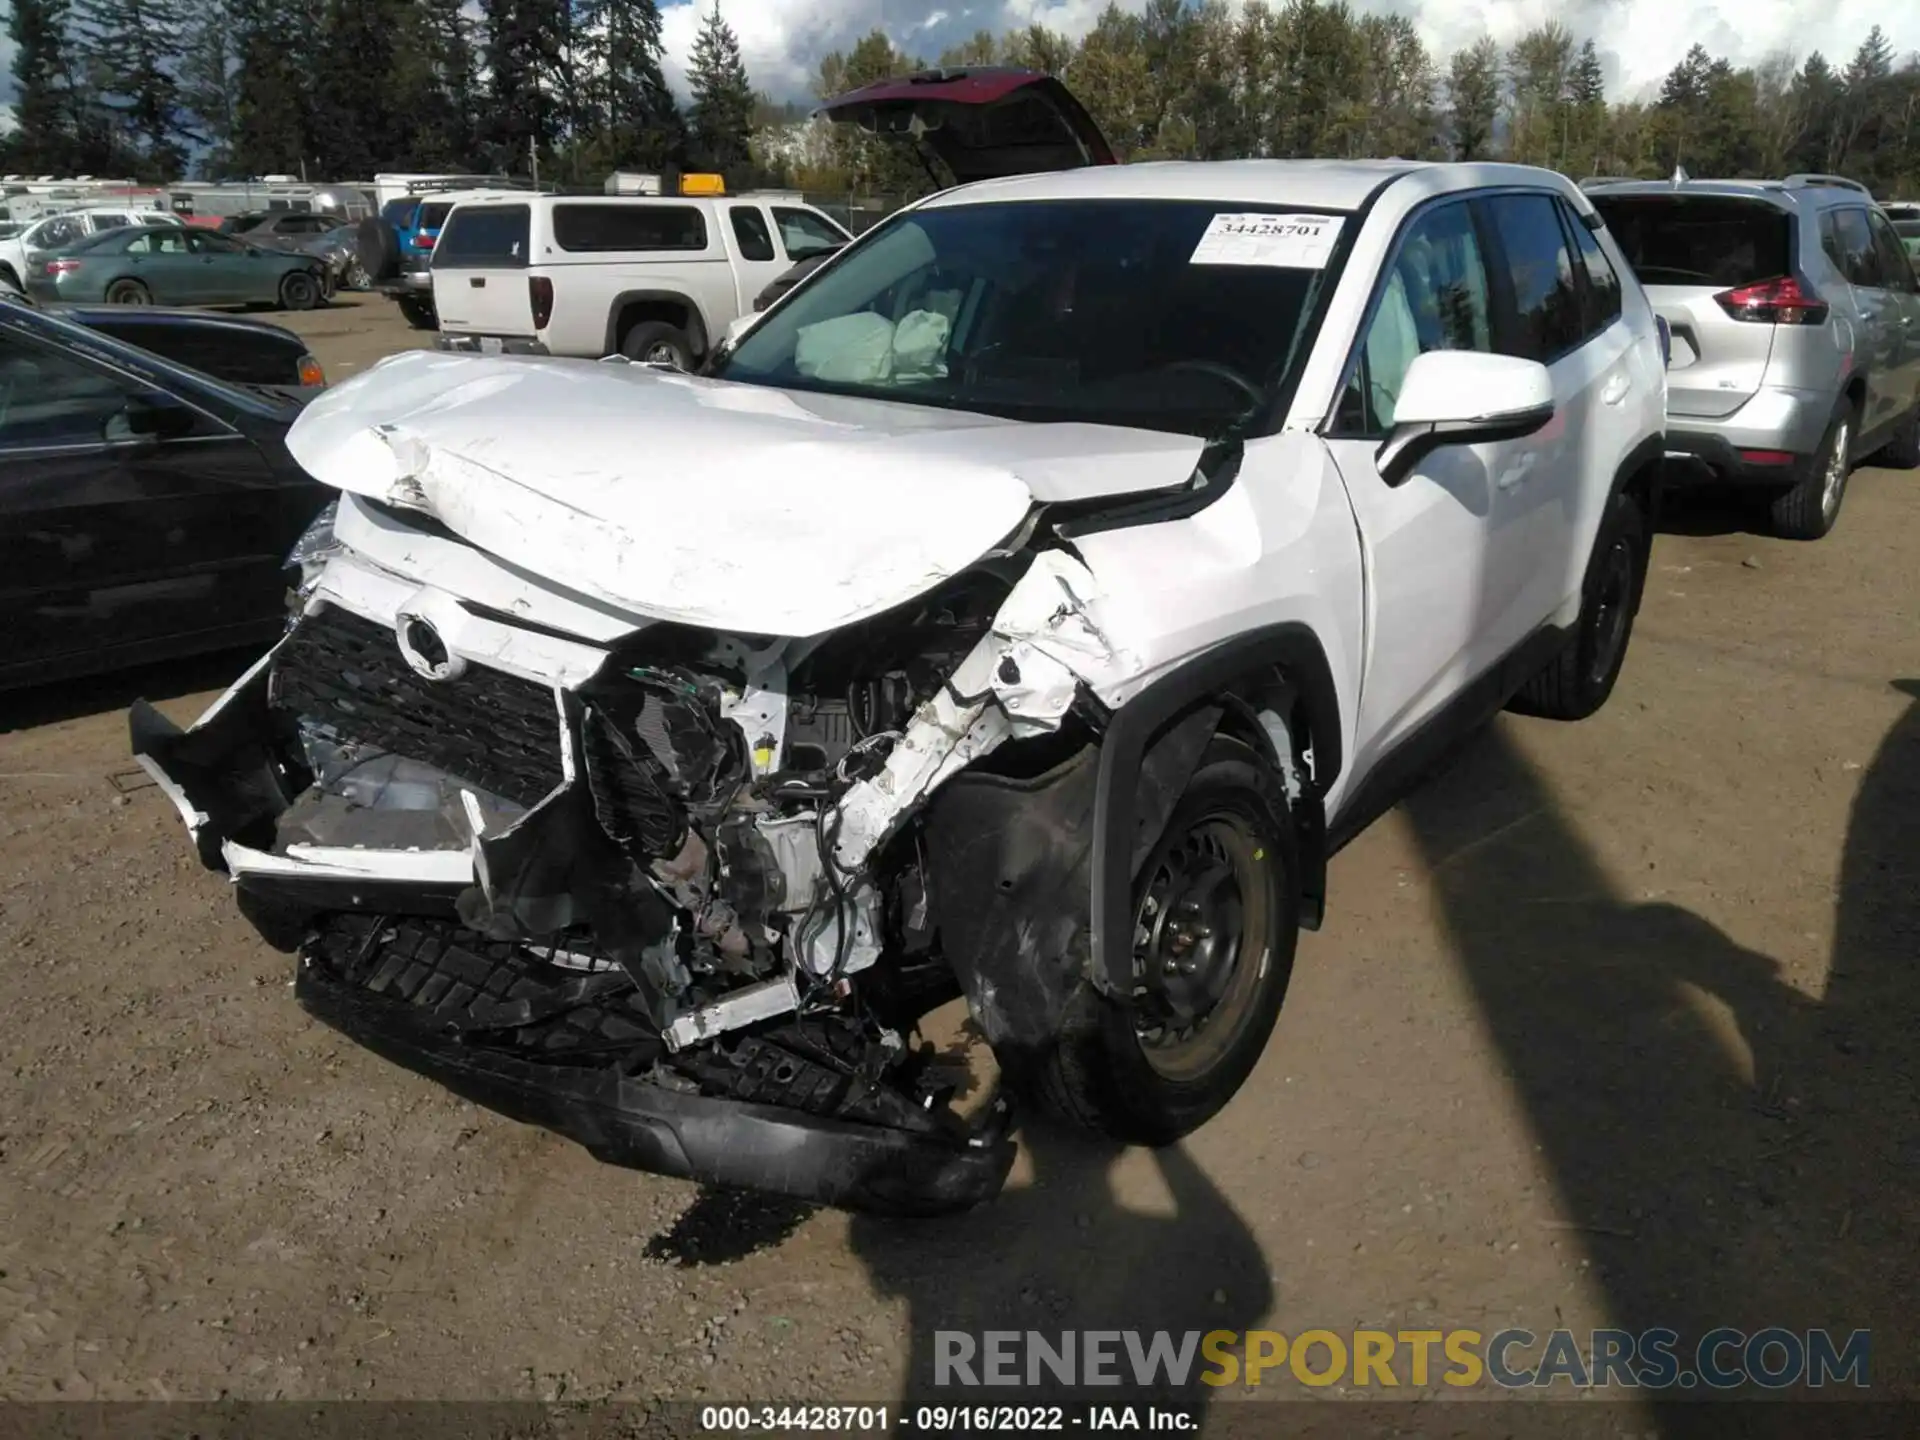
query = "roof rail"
x=1796 y=182
x=1594 y=182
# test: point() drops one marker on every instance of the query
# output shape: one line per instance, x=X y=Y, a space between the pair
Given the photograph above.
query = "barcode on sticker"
x=1285 y=242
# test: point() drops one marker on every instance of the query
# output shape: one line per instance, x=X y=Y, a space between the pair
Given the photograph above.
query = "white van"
x=656 y=278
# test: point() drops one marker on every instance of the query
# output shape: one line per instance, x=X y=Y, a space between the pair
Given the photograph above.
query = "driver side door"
x=1447 y=546
x=109 y=541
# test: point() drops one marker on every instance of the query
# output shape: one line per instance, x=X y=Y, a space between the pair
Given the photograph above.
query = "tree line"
x=1210 y=81
x=344 y=88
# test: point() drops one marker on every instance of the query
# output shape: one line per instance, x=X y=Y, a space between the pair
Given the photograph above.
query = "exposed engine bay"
x=718 y=868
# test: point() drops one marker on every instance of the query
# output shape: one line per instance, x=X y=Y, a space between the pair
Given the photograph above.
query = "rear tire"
x=419 y=312
x=128 y=292
x=1579 y=679
x=1903 y=451
x=655 y=342
x=1808 y=510
x=1218 y=916
x=299 y=291
x=379 y=249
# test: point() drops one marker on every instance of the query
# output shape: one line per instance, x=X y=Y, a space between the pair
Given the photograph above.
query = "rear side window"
x=1716 y=240
x=1895 y=272
x=1545 y=322
x=750 y=232
x=483 y=237
x=804 y=233
x=1849 y=245
x=432 y=217
x=591 y=228
x=1600 y=305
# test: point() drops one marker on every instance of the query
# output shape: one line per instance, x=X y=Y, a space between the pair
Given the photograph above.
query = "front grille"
x=492 y=730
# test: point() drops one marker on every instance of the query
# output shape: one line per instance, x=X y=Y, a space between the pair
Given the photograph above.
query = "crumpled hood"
x=731 y=506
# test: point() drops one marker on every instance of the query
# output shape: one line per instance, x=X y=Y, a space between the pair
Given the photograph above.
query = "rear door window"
x=1600 y=304
x=750 y=232
x=1719 y=240
x=1544 y=319
x=1845 y=236
x=1895 y=272
x=484 y=237
x=802 y=233
x=588 y=228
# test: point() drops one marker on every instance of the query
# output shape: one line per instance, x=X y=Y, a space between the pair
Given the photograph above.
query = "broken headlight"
x=311 y=550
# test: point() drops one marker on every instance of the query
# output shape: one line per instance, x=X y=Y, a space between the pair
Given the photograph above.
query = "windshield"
x=1088 y=310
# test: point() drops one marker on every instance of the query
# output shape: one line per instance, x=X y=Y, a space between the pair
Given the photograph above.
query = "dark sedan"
x=234 y=348
x=146 y=510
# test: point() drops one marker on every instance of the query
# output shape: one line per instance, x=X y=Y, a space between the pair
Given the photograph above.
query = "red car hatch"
x=981 y=122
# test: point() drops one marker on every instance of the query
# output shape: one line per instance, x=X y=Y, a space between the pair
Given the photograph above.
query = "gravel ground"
x=1610 y=1023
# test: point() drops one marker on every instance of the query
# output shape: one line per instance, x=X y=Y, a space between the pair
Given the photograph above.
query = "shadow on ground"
x=1734 y=1151
x=91 y=695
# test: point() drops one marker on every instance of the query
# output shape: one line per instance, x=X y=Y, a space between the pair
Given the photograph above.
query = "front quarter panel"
x=1279 y=546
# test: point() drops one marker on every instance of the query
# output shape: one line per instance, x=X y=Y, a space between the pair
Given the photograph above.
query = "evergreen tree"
x=42 y=98
x=132 y=50
x=526 y=43
x=271 y=108
x=355 y=124
x=1473 y=93
x=721 y=116
x=209 y=81
x=638 y=121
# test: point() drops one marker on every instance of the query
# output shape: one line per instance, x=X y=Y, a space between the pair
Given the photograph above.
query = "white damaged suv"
x=1023 y=609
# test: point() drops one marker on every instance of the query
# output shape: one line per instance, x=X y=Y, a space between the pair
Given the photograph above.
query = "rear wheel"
x=658 y=343
x=128 y=292
x=1579 y=679
x=419 y=312
x=1808 y=510
x=1216 y=919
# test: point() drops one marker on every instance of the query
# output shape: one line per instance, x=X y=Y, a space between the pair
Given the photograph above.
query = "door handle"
x=1515 y=475
x=477 y=284
x=1615 y=389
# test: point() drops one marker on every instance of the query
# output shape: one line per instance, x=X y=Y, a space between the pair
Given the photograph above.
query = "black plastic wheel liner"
x=644 y=1126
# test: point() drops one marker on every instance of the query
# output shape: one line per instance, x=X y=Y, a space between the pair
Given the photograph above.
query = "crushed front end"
x=682 y=896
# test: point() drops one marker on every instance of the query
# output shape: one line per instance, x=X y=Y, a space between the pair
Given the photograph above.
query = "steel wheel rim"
x=1835 y=479
x=1612 y=602
x=128 y=295
x=1202 y=943
x=662 y=352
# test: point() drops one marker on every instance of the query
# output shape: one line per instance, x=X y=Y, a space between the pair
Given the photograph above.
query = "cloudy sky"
x=1641 y=39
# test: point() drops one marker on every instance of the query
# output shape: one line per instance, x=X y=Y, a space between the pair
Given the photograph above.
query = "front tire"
x=1808 y=510
x=299 y=291
x=1903 y=451
x=1217 y=916
x=1581 y=676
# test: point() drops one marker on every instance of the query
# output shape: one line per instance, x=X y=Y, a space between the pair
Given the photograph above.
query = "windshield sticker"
x=1282 y=242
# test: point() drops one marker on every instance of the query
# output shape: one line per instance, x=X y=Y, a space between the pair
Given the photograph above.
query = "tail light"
x=310 y=371
x=57 y=268
x=540 y=292
x=422 y=240
x=1781 y=301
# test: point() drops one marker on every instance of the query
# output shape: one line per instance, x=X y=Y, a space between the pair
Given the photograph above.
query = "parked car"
x=282 y=229
x=22 y=252
x=652 y=277
x=396 y=249
x=339 y=249
x=1796 y=332
x=176 y=265
x=1024 y=609
x=146 y=510
x=1902 y=211
x=1909 y=233
x=235 y=348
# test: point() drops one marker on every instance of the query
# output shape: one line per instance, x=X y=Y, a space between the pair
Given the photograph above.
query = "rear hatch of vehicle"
x=1720 y=270
x=480 y=283
x=979 y=123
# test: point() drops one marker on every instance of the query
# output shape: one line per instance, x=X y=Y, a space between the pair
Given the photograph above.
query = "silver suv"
x=1795 y=323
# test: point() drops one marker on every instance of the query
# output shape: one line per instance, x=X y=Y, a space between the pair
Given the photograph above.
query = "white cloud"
x=1640 y=40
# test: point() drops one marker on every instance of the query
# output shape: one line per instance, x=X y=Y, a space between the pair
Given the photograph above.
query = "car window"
x=1545 y=321
x=109 y=221
x=1434 y=298
x=485 y=237
x=158 y=242
x=56 y=232
x=1719 y=240
x=587 y=228
x=1600 y=300
x=803 y=233
x=1895 y=272
x=1848 y=241
x=205 y=242
x=1106 y=311
x=47 y=398
x=750 y=232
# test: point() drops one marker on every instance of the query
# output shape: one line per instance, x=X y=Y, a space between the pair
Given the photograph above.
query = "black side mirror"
x=152 y=417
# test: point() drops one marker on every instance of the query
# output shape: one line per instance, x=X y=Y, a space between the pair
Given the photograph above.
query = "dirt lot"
x=1612 y=1023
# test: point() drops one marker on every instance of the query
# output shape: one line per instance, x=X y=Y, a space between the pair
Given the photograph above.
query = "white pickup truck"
x=653 y=278
x=1024 y=609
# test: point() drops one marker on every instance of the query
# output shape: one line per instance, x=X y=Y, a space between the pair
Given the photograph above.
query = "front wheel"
x=1217 y=915
x=1581 y=676
x=299 y=291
